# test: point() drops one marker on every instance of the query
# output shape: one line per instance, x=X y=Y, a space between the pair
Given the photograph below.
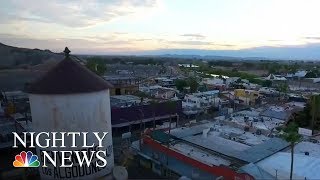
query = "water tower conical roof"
x=68 y=77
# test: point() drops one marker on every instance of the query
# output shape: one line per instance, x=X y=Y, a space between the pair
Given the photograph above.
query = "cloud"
x=142 y=39
x=195 y=36
x=275 y=40
x=77 y=45
x=71 y=13
x=312 y=38
x=226 y=45
x=52 y=44
x=196 y=43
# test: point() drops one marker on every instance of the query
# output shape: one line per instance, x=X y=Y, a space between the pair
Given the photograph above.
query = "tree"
x=180 y=84
x=266 y=83
x=273 y=68
x=312 y=74
x=96 y=66
x=315 y=110
x=291 y=136
x=310 y=116
x=193 y=84
x=303 y=118
x=283 y=89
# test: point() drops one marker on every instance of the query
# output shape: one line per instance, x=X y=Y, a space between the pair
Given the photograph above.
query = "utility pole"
x=168 y=145
x=141 y=132
x=313 y=101
x=170 y=124
x=177 y=125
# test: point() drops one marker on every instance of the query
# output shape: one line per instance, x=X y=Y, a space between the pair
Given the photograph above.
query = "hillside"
x=14 y=57
x=21 y=65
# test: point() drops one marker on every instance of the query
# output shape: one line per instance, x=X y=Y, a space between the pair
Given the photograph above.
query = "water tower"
x=71 y=98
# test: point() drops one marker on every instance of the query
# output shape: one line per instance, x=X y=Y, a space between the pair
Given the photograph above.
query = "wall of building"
x=88 y=112
x=175 y=165
x=249 y=97
x=136 y=113
x=122 y=90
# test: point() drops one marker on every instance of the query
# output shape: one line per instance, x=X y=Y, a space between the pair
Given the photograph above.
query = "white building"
x=268 y=91
x=298 y=74
x=159 y=92
x=273 y=77
x=201 y=101
x=253 y=121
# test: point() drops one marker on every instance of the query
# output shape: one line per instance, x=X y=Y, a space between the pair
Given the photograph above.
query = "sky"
x=117 y=26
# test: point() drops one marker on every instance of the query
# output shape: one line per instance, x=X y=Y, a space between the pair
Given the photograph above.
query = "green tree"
x=312 y=74
x=180 y=84
x=266 y=83
x=193 y=84
x=291 y=136
x=310 y=116
x=273 y=68
x=283 y=89
x=96 y=66
x=315 y=110
x=303 y=118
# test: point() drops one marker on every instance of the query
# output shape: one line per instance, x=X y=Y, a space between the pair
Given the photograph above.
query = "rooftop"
x=278 y=112
x=124 y=100
x=229 y=141
x=303 y=167
x=312 y=148
x=200 y=155
x=206 y=93
x=118 y=77
x=252 y=118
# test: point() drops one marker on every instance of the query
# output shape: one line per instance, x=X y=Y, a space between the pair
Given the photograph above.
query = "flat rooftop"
x=303 y=167
x=125 y=100
x=252 y=118
x=230 y=141
x=278 y=112
x=219 y=130
x=312 y=148
x=199 y=155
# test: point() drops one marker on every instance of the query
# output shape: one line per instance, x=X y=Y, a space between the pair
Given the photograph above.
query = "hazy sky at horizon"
x=135 y=25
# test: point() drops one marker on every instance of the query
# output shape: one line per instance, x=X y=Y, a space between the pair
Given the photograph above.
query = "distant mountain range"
x=211 y=57
x=298 y=52
x=11 y=57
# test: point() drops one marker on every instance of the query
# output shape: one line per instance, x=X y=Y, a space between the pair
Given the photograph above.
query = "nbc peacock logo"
x=26 y=160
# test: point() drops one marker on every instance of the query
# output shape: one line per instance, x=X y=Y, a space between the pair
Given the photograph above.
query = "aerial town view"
x=160 y=89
